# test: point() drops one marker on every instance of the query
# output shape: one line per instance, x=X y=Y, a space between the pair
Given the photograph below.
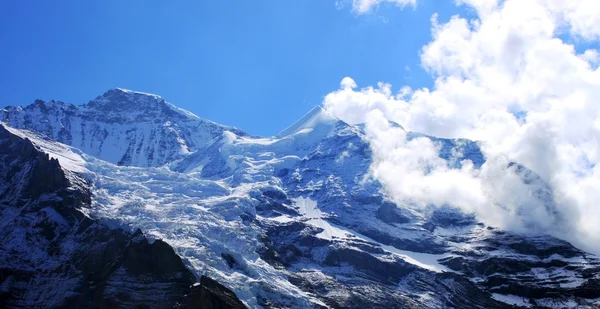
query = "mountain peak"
x=119 y=99
x=316 y=118
x=121 y=126
x=133 y=92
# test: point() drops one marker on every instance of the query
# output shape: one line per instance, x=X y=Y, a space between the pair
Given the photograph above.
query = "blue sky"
x=258 y=65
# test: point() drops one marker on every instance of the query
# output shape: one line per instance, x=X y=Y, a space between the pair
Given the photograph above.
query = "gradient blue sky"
x=257 y=65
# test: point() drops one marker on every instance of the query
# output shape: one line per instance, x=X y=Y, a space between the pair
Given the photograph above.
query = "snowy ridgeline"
x=121 y=126
x=291 y=220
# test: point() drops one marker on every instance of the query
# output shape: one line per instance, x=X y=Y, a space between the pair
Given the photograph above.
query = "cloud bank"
x=509 y=78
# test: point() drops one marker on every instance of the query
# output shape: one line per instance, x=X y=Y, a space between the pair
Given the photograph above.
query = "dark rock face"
x=534 y=268
x=53 y=256
x=28 y=175
x=211 y=295
x=390 y=213
x=358 y=274
x=448 y=217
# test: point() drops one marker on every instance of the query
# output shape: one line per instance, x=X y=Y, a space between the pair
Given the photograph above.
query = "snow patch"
x=309 y=209
x=512 y=300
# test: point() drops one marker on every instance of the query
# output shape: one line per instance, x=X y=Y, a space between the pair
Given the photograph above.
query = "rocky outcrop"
x=539 y=269
x=390 y=213
x=358 y=274
x=210 y=294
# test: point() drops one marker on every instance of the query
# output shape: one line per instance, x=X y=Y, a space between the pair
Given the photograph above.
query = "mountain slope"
x=54 y=256
x=295 y=221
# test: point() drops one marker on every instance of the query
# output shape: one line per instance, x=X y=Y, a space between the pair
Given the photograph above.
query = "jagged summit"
x=121 y=103
x=125 y=90
x=132 y=92
x=120 y=100
x=121 y=126
x=316 y=119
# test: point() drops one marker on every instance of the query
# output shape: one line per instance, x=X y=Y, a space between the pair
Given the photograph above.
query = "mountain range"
x=130 y=201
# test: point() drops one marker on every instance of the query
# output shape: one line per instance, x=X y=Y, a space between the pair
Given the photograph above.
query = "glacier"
x=295 y=220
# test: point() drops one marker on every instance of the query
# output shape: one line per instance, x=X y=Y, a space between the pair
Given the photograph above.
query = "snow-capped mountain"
x=121 y=126
x=294 y=220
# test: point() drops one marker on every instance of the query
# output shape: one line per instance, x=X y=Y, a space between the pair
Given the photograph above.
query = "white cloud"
x=508 y=61
x=355 y=105
x=365 y=6
x=412 y=169
x=592 y=56
x=580 y=15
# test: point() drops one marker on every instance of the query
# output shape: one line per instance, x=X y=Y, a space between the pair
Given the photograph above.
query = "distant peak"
x=129 y=93
x=120 y=98
x=316 y=117
x=133 y=92
x=318 y=110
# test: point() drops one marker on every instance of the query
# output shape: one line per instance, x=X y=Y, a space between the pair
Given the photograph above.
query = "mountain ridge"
x=294 y=220
x=121 y=126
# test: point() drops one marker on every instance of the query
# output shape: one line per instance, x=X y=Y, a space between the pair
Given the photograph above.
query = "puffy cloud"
x=365 y=6
x=580 y=15
x=412 y=169
x=355 y=105
x=508 y=79
x=414 y=175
